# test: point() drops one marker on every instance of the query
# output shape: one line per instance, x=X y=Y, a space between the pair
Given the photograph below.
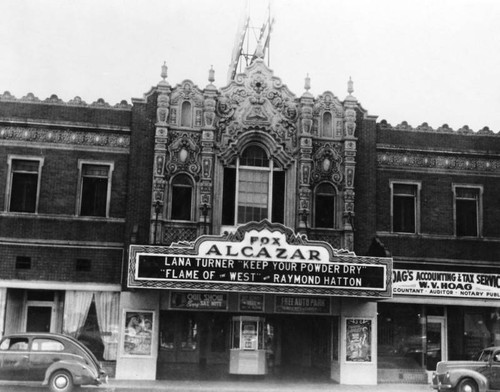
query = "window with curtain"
x=404 y=207
x=467 y=202
x=182 y=198
x=92 y=318
x=324 y=206
x=24 y=182
x=95 y=189
x=253 y=189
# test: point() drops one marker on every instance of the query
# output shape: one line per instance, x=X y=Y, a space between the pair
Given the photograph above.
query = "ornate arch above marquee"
x=256 y=136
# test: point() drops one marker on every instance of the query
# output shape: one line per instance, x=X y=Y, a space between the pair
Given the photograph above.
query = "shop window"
x=467 y=210
x=167 y=332
x=405 y=207
x=182 y=198
x=254 y=189
x=189 y=333
x=95 y=188
x=23 y=262
x=24 y=184
x=92 y=318
x=186 y=114
x=324 y=206
x=327 y=125
x=219 y=330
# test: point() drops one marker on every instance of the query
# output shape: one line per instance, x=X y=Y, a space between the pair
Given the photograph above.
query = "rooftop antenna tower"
x=250 y=40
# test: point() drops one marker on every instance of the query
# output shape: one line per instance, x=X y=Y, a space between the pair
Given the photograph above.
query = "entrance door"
x=305 y=347
x=436 y=342
x=38 y=318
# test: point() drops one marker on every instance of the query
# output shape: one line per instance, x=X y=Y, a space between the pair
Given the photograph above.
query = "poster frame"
x=352 y=326
x=145 y=315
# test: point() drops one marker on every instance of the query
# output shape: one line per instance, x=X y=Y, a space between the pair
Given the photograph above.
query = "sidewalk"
x=254 y=386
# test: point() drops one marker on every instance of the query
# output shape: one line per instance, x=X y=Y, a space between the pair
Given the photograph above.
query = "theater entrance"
x=301 y=347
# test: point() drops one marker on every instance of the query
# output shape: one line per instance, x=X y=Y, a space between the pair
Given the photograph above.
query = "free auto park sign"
x=259 y=257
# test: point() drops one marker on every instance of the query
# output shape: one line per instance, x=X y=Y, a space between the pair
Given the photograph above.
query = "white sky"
x=434 y=61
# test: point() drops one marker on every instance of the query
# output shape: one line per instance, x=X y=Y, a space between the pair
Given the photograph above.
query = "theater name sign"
x=260 y=257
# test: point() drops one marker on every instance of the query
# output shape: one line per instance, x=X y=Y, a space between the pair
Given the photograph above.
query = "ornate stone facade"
x=199 y=132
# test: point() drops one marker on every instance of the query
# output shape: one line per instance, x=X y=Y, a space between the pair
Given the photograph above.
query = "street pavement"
x=225 y=386
x=257 y=386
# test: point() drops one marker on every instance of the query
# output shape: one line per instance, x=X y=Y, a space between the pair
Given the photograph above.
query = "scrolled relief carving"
x=327 y=163
x=209 y=112
x=257 y=100
x=183 y=155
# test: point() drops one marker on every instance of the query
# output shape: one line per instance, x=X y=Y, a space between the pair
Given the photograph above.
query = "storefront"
x=88 y=312
x=434 y=316
x=258 y=302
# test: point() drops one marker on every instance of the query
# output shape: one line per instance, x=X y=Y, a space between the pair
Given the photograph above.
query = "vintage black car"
x=58 y=361
x=478 y=375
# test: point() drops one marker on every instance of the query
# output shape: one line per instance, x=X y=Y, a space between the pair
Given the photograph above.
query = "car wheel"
x=467 y=385
x=61 y=381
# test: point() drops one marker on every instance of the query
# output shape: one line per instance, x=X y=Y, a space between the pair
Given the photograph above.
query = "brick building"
x=436 y=210
x=182 y=235
x=64 y=173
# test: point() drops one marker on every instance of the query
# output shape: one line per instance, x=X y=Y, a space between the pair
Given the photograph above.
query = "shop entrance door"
x=436 y=349
x=38 y=318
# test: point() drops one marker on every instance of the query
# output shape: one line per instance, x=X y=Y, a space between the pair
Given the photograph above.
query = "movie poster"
x=138 y=333
x=358 y=340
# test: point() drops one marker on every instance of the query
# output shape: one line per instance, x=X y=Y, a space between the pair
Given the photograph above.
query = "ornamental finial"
x=164 y=70
x=211 y=74
x=307 y=83
x=350 y=86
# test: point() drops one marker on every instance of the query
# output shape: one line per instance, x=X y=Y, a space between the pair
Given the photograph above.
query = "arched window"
x=327 y=125
x=324 y=206
x=182 y=198
x=254 y=189
x=186 y=114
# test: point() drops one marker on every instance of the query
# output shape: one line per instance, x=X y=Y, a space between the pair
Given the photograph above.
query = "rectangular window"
x=405 y=207
x=23 y=262
x=253 y=195
x=228 y=196
x=467 y=211
x=95 y=184
x=24 y=185
x=83 y=265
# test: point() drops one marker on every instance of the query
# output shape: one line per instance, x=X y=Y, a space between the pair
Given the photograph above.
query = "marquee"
x=260 y=257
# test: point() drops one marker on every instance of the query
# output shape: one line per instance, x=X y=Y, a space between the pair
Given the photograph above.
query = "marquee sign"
x=446 y=284
x=259 y=257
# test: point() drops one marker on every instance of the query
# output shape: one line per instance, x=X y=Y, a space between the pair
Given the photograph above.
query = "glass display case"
x=248 y=351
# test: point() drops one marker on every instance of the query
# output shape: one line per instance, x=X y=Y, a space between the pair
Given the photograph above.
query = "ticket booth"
x=248 y=351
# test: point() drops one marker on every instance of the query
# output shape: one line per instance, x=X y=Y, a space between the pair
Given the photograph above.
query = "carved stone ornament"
x=257 y=100
x=162 y=111
x=183 y=155
x=327 y=163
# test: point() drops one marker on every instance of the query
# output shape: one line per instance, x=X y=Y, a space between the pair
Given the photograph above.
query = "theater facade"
x=247 y=266
x=246 y=231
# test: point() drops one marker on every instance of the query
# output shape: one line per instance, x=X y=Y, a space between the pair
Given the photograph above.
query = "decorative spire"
x=164 y=70
x=211 y=74
x=307 y=83
x=350 y=86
